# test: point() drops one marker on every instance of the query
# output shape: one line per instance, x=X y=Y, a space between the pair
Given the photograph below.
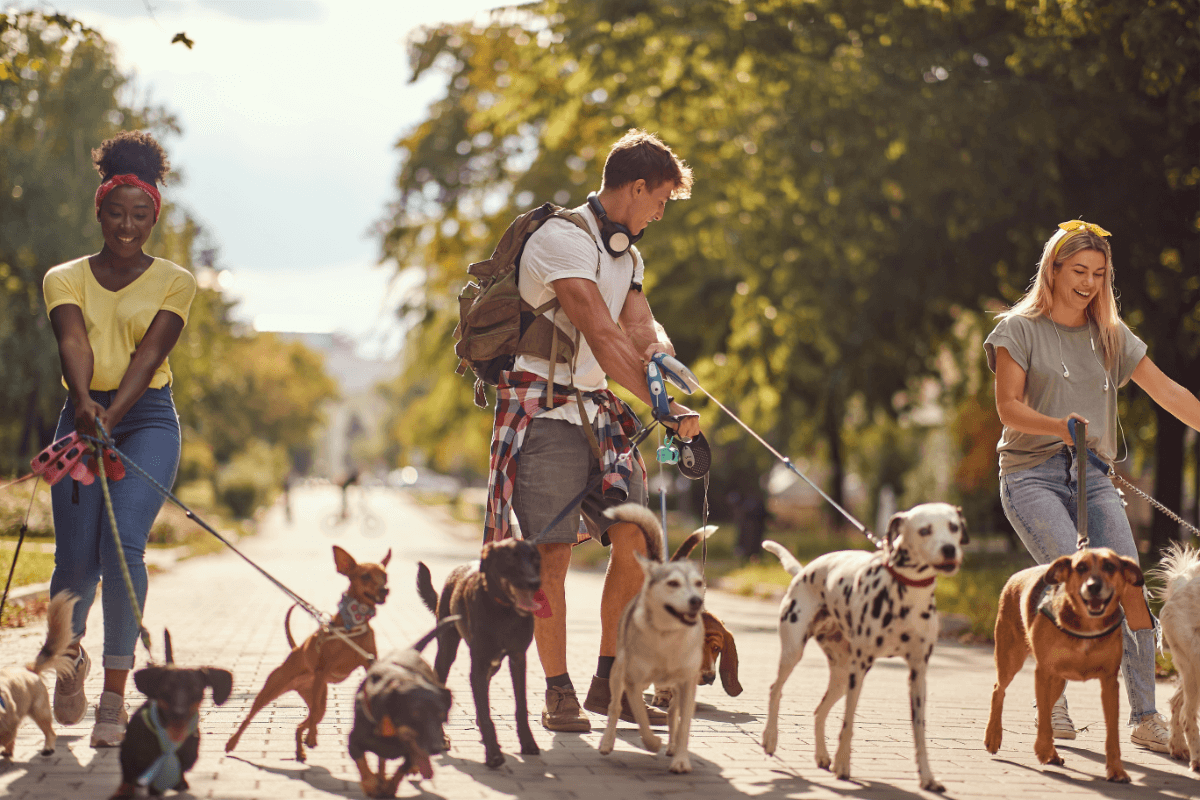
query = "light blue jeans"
x=1042 y=504
x=84 y=549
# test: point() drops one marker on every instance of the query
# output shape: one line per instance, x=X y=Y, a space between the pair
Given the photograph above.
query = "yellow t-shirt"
x=117 y=321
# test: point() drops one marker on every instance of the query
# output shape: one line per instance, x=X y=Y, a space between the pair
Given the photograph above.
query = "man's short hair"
x=639 y=154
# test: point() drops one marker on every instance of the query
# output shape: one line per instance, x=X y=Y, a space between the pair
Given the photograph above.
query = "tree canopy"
x=871 y=178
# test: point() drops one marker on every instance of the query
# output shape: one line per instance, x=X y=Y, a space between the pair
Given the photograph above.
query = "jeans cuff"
x=118 y=662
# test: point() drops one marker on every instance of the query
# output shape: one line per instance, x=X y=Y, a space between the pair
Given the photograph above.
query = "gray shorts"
x=554 y=465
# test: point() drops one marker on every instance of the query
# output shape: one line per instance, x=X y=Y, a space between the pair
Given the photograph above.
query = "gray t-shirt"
x=1034 y=343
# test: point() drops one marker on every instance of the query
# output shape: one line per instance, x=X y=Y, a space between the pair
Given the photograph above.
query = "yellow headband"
x=1077 y=225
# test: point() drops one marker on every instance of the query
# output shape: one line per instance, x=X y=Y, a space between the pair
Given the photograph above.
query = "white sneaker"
x=1060 y=720
x=111 y=719
x=70 y=703
x=1152 y=733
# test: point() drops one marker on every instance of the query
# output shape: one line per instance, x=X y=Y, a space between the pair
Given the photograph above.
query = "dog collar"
x=923 y=582
x=354 y=613
x=1046 y=608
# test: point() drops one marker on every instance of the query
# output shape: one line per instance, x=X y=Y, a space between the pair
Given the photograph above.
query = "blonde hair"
x=1102 y=310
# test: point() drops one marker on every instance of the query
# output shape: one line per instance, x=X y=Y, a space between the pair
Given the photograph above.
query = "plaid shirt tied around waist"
x=519 y=398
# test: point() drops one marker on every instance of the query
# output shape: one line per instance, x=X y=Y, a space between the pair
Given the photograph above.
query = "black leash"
x=21 y=538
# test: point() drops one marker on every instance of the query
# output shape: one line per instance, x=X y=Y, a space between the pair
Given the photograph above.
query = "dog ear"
x=384 y=561
x=1058 y=571
x=728 y=669
x=149 y=680
x=643 y=562
x=220 y=681
x=344 y=561
x=1132 y=572
x=962 y=521
x=893 y=528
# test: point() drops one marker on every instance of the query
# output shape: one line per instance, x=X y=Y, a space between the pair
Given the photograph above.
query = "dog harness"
x=166 y=771
x=355 y=614
x=519 y=397
x=1046 y=608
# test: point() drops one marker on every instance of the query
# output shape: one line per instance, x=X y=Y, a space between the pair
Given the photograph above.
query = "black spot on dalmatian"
x=904 y=611
x=789 y=613
x=924 y=615
x=904 y=637
x=877 y=604
x=858 y=652
x=853 y=680
x=879 y=641
x=887 y=619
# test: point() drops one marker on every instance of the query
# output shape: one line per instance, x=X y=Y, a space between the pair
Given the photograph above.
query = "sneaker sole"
x=1151 y=745
x=1064 y=734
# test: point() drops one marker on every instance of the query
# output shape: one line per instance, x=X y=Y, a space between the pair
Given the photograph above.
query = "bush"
x=251 y=478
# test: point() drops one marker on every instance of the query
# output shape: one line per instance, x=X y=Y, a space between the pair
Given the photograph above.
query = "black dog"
x=494 y=600
x=162 y=740
x=399 y=711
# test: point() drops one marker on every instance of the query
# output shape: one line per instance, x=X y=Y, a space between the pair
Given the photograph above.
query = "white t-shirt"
x=559 y=249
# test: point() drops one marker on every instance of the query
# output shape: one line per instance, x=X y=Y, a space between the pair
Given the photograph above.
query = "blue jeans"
x=84 y=550
x=1042 y=505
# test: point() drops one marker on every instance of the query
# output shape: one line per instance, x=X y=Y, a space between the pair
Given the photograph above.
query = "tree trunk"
x=837 y=478
x=1168 y=480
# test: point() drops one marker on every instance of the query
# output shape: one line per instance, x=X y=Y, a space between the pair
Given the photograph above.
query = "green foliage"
x=868 y=174
x=243 y=399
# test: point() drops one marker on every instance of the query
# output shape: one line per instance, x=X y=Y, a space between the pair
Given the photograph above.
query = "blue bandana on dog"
x=166 y=771
x=354 y=614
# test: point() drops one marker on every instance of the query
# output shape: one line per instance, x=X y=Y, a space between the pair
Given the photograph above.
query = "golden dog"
x=1068 y=614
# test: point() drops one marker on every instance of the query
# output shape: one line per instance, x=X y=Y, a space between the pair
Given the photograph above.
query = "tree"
x=866 y=171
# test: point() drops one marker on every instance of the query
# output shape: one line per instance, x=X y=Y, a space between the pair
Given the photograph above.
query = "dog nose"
x=1093 y=586
x=949 y=552
x=695 y=603
x=707 y=678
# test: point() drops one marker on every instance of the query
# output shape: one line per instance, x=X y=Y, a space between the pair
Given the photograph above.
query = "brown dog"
x=1068 y=614
x=494 y=600
x=719 y=646
x=324 y=657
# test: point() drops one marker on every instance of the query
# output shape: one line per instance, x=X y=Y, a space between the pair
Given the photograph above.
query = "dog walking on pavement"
x=861 y=606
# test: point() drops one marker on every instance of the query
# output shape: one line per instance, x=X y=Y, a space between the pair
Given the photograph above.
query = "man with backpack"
x=581 y=264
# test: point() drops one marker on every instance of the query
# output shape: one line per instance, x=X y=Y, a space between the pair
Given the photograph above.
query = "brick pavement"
x=220 y=611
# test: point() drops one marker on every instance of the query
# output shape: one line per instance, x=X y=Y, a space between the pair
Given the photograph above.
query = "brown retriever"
x=1068 y=614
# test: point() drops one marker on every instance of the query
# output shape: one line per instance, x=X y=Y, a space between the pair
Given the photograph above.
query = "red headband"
x=129 y=180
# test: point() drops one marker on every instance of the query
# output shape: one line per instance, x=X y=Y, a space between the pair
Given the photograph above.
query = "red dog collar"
x=909 y=581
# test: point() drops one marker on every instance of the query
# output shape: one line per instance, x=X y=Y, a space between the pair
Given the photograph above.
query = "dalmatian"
x=861 y=606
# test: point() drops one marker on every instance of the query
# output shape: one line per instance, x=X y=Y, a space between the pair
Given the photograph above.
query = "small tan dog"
x=1179 y=572
x=22 y=693
x=660 y=640
x=324 y=657
x=1068 y=614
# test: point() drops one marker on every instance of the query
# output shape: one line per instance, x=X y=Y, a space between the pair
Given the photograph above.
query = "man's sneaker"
x=1151 y=733
x=70 y=703
x=562 y=712
x=1060 y=721
x=600 y=695
x=111 y=719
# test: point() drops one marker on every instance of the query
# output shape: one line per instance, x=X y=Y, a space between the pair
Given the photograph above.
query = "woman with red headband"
x=116 y=315
x=1061 y=353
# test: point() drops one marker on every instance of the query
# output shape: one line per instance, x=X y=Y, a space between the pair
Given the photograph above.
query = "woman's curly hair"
x=132 y=152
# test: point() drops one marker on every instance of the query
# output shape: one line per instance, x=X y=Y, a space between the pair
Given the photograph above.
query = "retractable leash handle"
x=1078 y=431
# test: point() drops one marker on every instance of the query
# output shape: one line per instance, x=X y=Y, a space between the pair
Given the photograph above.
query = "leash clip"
x=668 y=452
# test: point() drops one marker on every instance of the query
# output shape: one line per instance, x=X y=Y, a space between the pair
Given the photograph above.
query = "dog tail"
x=287 y=627
x=787 y=559
x=689 y=544
x=646 y=521
x=59 y=637
x=1179 y=565
x=420 y=644
x=425 y=588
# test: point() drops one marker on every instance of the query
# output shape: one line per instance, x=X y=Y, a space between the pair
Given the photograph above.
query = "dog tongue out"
x=540 y=605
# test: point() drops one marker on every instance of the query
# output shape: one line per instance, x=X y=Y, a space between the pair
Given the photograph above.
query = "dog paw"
x=768 y=744
x=652 y=743
x=1196 y=766
x=49 y=751
x=1118 y=775
x=932 y=785
x=841 y=768
x=681 y=765
x=494 y=760
x=823 y=761
x=991 y=743
x=530 y=748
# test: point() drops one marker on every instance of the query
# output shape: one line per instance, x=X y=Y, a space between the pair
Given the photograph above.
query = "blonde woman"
x=1061 y=353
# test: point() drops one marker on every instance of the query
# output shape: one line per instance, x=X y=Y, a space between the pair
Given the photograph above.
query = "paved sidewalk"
x=222 y=612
